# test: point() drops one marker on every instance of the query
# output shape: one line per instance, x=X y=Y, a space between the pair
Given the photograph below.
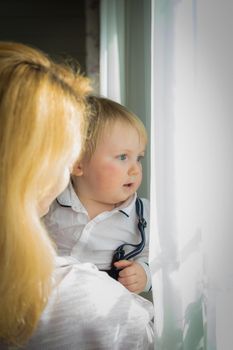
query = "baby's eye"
x=122 y=157
x=140 y=158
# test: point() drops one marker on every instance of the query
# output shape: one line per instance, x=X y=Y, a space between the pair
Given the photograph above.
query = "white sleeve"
x=90 y=311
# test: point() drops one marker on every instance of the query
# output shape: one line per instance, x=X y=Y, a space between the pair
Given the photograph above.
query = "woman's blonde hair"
x=102 y=114
x=41 y=107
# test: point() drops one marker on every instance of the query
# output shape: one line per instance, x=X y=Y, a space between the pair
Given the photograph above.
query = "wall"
x=138 y=72
x=125 y=62
x=56 y=27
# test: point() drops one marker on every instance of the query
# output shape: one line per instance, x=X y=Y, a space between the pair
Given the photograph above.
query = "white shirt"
x=96 y=240
x=88 y=310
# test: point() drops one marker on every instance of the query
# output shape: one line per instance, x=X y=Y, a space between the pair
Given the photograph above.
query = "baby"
x=99 y=211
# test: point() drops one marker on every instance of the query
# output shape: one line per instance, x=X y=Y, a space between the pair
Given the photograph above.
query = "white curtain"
x=191 y=173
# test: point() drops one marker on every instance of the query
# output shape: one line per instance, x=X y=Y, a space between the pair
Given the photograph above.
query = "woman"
x=46 y=302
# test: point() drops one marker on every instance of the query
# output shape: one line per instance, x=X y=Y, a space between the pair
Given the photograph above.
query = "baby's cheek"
x=111 y=176
x=111 y=169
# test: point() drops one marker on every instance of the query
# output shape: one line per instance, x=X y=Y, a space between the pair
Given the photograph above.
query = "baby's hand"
x=132 y=275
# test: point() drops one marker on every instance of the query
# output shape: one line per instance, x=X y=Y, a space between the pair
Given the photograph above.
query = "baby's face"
x=114 y=172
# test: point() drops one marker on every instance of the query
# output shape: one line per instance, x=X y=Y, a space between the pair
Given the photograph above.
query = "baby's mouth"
x=128 y=185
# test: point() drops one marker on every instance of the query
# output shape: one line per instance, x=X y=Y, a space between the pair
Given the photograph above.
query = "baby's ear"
x=77 y=169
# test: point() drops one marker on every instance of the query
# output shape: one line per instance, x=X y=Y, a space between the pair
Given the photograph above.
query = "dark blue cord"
x=119 y=253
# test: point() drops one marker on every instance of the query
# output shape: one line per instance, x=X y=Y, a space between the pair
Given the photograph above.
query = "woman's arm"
x=90 y=310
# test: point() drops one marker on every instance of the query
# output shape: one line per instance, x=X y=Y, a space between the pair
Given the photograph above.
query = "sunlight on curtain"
x=191 y=174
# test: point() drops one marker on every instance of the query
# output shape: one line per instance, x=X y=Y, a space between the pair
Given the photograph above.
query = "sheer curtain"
x=191 y=173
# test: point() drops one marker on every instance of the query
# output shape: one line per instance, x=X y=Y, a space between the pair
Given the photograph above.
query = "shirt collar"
x=127 y=206
x=70 y=199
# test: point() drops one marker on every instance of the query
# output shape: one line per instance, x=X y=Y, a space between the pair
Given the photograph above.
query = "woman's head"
x=41 y=115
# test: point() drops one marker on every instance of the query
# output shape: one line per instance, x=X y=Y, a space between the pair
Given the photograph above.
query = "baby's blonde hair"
x=102 y=113
x=41 y=108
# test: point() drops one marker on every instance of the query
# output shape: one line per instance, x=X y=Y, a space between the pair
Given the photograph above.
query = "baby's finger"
x=126 y=272
x=121 y=264
x=127 y=281
x=132 y=287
